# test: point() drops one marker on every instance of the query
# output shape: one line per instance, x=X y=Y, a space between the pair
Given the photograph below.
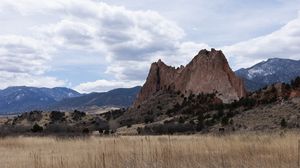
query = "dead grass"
x=238 y=151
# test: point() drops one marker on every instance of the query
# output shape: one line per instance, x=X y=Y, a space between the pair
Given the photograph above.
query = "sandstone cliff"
x=208 y=72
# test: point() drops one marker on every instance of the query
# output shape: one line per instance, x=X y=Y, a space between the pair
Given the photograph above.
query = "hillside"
x=22 y=98
x=203 y=97
x=122 y=97
x=272 y=109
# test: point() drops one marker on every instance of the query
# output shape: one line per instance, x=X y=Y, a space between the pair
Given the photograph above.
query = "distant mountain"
x=122 y=97
x=268 y=72
x=22 y=98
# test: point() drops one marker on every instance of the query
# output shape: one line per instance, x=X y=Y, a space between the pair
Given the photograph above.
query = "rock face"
x=208 y=72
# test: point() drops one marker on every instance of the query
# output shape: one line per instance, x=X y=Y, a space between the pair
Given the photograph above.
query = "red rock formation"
x=208 y=72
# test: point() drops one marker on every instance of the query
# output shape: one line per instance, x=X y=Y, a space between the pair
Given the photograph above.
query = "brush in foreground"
x=268 y=151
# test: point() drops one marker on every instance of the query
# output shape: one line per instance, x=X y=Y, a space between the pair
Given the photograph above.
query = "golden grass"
x=238 y=151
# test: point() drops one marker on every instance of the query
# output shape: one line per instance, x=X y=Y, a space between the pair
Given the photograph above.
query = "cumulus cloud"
x=22 y=55
x=25 y=79
x=126 y=41
x=181 y=54
x=23 y=61
x=283 y=43
x=124 y=34
x=68 y=34
x=105 y=85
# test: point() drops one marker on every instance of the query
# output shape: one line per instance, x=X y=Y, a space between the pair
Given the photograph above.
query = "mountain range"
x=268 y=72
x=122 y=97
x=203 y=96
x=206 y=95
x=21 y=99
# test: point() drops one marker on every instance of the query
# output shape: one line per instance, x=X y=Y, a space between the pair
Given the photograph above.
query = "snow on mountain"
x=22 y=98
x=268 y=72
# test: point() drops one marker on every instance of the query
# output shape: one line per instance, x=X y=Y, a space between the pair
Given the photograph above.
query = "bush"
x=106 y=132
x=169 y=128
x=296 y=82
x=37 y=128
x=34 y=116
x=61 y=128
x=231 y=121
x=77 y=115
x=148 y=119
x=225 y=121
x=283 y=123
x=210 y=122
x=85 y=131
x=181 y=120
x=220 y=113
x=57 y=115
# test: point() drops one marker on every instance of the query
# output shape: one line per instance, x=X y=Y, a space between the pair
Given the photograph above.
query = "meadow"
x=189 y=151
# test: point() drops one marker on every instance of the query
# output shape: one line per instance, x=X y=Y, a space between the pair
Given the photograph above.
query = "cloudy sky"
x=93 y=45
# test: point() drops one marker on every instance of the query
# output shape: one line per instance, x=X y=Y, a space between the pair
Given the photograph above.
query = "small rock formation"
x=208 y=72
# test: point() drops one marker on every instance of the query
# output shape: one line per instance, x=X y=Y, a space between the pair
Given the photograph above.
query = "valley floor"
x=237 y=151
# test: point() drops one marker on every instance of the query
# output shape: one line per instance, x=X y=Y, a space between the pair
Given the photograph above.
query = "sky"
x=99 y=45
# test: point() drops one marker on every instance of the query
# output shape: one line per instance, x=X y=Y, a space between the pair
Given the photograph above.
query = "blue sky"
x=93 y=45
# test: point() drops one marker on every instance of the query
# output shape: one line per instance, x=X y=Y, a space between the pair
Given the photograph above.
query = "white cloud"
x=22 y=55
x=283 y=43
x=24 y=61
x=126 y=41
x=130 y=40
x=25 y=79
x=124 y=34
x=105 y=85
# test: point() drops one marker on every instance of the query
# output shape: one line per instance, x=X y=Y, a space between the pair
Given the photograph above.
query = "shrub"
x=57 y=115
x=169 y=128
x=210 y=122
x=225 y=121
x=220 y=113
x=61 y=128
x=148 y=119
x=77 y=115
x=106 y=132
x=283 y=123
x=231 y=121
x=85 y=131
x=34 y=116
x=296 y=82
x=37 y=128
x=181 y=120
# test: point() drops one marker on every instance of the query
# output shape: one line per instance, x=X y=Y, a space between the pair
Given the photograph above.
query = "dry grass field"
x=238 y=151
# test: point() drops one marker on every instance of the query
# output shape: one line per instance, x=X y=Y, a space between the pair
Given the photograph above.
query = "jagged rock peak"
x=208 y=72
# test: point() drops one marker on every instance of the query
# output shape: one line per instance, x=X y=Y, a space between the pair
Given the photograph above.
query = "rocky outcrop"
x=208 y=72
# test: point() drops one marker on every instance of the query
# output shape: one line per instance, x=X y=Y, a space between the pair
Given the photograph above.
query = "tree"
x=37 y=128
x=296 y=82
x=148 y=119
x=85 y=131
x=56 y=115
x=283 y=123
x=225 y=121
x=231 y=121
x=181 y=120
